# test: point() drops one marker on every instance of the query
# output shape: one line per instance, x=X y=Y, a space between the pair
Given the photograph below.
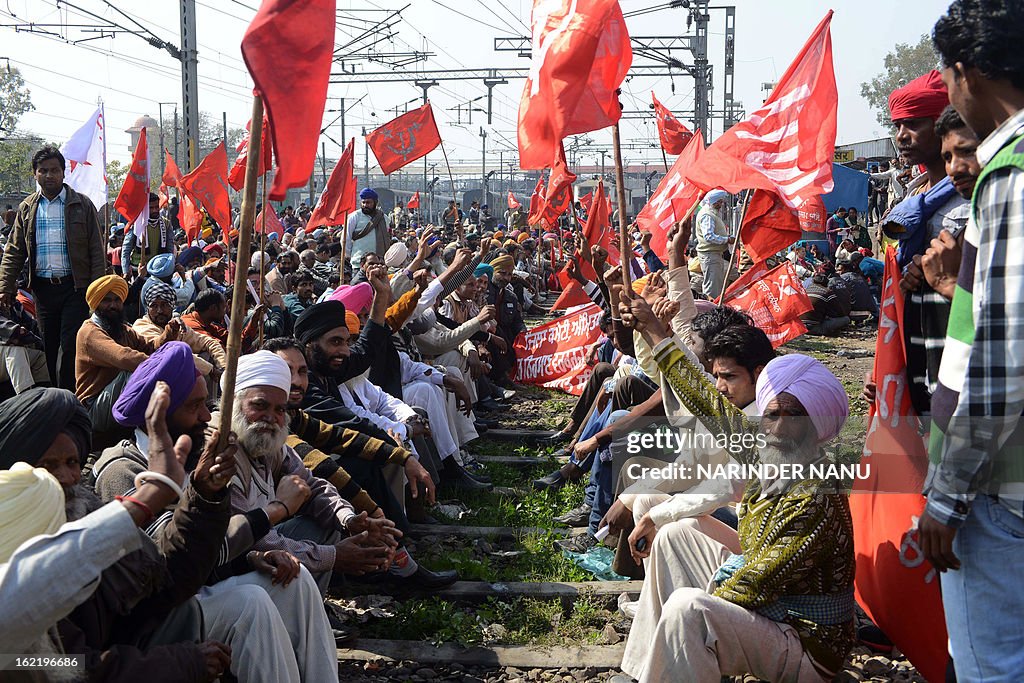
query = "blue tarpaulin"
x=851 y=189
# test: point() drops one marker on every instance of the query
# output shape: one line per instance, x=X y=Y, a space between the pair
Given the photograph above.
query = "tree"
x=116 y=173
x=16 y=164
x=905 y=63
x=15 y=100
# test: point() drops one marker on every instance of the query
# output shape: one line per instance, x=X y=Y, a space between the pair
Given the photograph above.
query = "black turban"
x=30 y=423
x=319 y=319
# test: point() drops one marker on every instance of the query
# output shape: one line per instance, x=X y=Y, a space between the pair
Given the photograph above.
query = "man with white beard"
x=782 y=607
x=324 y=532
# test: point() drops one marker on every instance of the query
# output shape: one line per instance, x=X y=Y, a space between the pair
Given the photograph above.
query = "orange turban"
x=352 y=322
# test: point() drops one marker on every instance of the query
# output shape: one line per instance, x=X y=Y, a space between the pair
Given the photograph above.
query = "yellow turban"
x=103 y=286
x=352 y=323
x=495 y=244
x=502 y=262
x=498 y=235
x=510 y=243
x=639 y=283
x=31 y=504
x=523 y=236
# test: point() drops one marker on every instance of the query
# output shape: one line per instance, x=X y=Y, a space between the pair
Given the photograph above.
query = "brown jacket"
x=84 y=238
x=99 y=358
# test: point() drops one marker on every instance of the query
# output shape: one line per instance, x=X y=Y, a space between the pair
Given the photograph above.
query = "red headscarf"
x=923 y=97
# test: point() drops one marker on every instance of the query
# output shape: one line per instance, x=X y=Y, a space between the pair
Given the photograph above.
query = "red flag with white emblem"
x=674 y=135
x=414 y=203
x=785 y=146
x=513 y=203
x=579 y=58
x=672 y=198
x=775 y=301
x=403 y=140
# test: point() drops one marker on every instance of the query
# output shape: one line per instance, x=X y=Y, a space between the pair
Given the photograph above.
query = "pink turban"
x=923 y=97
x=818 y=390
x=357 y=298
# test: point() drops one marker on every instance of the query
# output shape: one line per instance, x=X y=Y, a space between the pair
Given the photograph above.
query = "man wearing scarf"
x=158 y=300
x=108 y=350
x=932 y=205
x=713 y=240
x=367 y=230
x=509 y=317
x=782 y=609
x=157 y=238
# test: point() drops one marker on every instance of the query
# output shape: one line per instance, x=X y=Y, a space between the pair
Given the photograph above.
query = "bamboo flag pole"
x=263 y=250
x=341 y=262
x=234 y=350
x=620 y=196
x=458 y=223
x=735 y=249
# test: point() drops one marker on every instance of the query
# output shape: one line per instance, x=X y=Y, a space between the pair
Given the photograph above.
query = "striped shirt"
x=51 y=240
x=975 y=443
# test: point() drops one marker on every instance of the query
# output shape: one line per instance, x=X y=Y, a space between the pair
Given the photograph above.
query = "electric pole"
x=366 y=163
x=190 y=81
x=483 y=166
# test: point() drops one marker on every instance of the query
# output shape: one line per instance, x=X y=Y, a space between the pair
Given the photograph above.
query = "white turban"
x=258 y=259
x=713 y=197
x=396 y=255
x=818 y=390
x=31 y=504
x=262 y=369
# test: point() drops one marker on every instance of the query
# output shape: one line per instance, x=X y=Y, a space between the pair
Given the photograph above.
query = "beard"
x=111 y=322
x=778 y=451
x=80 y=500
x=261 y=440
x=321 y=363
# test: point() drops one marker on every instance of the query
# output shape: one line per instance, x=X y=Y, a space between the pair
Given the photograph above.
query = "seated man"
x=509 y=318
x=781 y=609
x=831 y=312
x=22 y=360
x=210 y=317
x=108 y=350
x=301 y=297
x=862 y=302
x=158 y=301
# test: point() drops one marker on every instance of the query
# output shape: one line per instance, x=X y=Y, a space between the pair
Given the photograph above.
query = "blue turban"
x=190 y=254
x=272 y=237
x=172 y=363
x=161 y=265
x=367 y=193
x=484 y=269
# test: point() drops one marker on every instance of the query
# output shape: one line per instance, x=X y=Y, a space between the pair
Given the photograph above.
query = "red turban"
x=923 y=97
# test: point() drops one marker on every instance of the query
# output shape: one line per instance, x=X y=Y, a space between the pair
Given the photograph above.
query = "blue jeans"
x=601 y=489
x=984 y=599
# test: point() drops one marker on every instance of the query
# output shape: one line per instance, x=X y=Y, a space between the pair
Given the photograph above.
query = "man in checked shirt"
x=56 y=231
x=972 y=529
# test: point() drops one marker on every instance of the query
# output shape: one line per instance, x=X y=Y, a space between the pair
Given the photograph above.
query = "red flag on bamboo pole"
x=580 y=56
x=414 y=203
x=536 y=203
x=236 y=176
x=207 y=185
x=674 y=135
x=513 y=203
x=289 y=49
x=339 y=196
x=672 y=198
x=403 y=140
x=133 y=200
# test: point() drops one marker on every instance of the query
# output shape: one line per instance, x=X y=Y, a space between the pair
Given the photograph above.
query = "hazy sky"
x=132 y=76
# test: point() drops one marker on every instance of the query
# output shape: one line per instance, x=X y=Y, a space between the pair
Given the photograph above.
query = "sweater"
x=99 y=358
x=199 y=343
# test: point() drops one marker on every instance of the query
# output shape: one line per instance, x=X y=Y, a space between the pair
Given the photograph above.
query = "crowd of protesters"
x=137 y=535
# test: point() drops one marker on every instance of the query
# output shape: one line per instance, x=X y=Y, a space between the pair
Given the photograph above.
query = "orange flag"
x=674 y=136
x=133 y=200
x=207 y=185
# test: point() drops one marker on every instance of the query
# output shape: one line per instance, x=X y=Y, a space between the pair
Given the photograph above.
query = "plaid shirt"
x=51 y=241
x=980 y=398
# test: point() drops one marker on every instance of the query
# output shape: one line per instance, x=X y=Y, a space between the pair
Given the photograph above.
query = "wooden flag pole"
x=620 y=195
x=263 y=250
x=451 y=178
x=735 y=248
x=234 y=350
x=341 y=262
x=664 y=158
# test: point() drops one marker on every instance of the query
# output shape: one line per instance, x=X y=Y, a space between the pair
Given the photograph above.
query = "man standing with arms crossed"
x=57 y=232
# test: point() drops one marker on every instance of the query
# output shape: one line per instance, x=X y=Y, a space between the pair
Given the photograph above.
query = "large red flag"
x=133 y=200
x=895 y=585
x=775 y=301
x=172 y=174
x=813 y=215
x=597 y=228
x=339 y=196
x=403 y=140
x=785 y=146
x=190 y=216
x=769 y=226
x=674 y=135
x=580 y=56
x=659 y=213
x=536 y=202
x=289 y=49
x=414 y=203
x=236 y=176
x=513 y=203
x=572 y=292
x=207 y=184
x=559 y=195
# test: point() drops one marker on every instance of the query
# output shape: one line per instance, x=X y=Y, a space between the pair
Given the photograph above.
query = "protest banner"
x=552 y=355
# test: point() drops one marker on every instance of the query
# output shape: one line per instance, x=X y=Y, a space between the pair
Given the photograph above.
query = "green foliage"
x=905 y=63
x=15 y=100
x=16 y=164
x=116 y=173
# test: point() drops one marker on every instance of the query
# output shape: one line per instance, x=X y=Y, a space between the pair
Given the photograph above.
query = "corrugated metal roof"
x=880 y=148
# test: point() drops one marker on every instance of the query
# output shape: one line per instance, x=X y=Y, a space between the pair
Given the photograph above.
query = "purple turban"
x=357 y=298
x=818 y=390
x=172 y=363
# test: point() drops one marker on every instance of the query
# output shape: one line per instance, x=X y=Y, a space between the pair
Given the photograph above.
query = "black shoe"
x=342 y=632
x=556 y=439
x=430 y=580
x=577 y=517
x=553 y=481
x=480 y=427
x=455 y=477
x=577 y=544
x=488 y=405
x=486 y=423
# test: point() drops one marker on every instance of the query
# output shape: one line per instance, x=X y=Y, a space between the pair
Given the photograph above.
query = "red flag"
x=674 y=135
x=133 y=199
x=267 y=221
x=580 y=56
x=191 y=218
x=785 y=146
x=536 y=202
x=558 y=198
x=597 y=229
x=207 y=184
x=775 y=301
x=403 y=140
x=586 y=200
x=339 y=196
x=769 y=226
x=163 y=194
x=673 y=192
x=572 y=293
x=414 y=203
x=172 y=174
x=897 y=588
x=513 y=203
x=236 y=176
x=289 y=49
x=813 y=215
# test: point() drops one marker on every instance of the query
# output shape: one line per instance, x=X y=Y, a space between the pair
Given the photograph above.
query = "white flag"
x=84 y=152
